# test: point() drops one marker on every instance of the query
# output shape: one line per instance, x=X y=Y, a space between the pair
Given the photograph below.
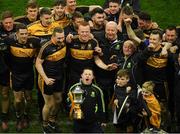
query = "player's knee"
x=18 y=99
x=58 y=100
x=5 y=95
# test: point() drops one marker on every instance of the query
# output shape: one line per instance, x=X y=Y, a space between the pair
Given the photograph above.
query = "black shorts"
x=56 y=87
x=4 y=78
x=21 y=82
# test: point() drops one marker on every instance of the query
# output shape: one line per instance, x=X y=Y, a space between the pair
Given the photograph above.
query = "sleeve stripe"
x=42 y=49
x=102 y=96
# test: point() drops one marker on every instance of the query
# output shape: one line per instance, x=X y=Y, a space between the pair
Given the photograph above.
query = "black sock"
x=4 y=117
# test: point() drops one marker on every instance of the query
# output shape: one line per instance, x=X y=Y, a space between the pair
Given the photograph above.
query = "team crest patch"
x=89 y=46
x=92 y=94
x=117 y=47
x=129 y=65
x=31 y=45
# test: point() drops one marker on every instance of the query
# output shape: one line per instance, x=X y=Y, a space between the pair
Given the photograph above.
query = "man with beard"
x=59 y=15
x=50 y=66
x=42 y=29
x=146 y=24
x=97 y=22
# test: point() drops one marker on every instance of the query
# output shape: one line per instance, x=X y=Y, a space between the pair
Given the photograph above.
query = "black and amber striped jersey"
x=24 y=20
x=82 y=54
x=21 y=56
x=4 y=34
x=43 y=32
x=156 y=67
x=63 y=21
x=54 y=58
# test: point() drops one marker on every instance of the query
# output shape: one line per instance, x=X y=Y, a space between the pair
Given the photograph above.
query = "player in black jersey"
x=50 y=66
x=59 y=15
x=31 y=14
x=7 y=27
x=42 y=29
x=83 y=51
x=22 y=50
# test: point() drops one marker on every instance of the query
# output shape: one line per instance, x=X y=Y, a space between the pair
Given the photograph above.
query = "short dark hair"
x=20 y=26
x=6 y=14
x=127 y=10
x=32 y=4
x=87 y=68
x=115 y=1
x=77 y=14
x=157 y=31
x=122 y=73
x=144 y=16
x=57 y=30
x=45 y=10
x=59 y=2
x=96 y=10
x=171 y=27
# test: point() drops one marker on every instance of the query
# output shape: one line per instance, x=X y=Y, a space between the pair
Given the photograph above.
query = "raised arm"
x=130 y=31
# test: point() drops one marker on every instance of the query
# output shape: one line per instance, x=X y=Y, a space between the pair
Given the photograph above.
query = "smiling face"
x=22 y=35
x=32 y=13
x=98 y=19
x=59 y=10
x=128 y=48
x=71 y=4
x=87 y=76
x=8 y=23
x=111 y=31
x=170 y=35
x=114 y=7
x=155 y=40
x=84 y=33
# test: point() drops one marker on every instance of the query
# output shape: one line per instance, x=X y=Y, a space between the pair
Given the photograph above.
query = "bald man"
x=110 y=45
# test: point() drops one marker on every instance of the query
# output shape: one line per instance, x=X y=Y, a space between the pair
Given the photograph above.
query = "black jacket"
x=93 y=105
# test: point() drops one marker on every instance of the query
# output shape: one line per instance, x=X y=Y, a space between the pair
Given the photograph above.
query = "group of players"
x=70 y=44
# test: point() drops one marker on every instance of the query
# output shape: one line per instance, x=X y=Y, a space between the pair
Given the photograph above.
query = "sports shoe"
x=19 y=125
x=47 y=129
x=25 y=121
x=55 y=127
x=5 y=126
